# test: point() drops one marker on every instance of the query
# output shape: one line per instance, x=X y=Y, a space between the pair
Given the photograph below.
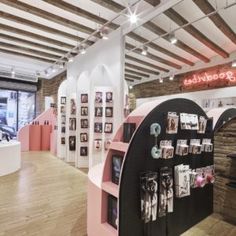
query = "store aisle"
x=46 y=197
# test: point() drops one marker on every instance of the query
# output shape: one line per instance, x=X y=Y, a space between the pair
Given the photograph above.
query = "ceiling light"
x=234 y=63
x=130 y=87
x=104 y=33
x=61 y=65
x=133 y=17
x=171 y=77
x=82 y=49
x=172 y=38
x=13 y=72
x=161 y=80
x=70 y=58
x=144 y=50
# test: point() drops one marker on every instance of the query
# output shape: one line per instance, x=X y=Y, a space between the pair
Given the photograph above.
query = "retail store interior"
x=117 y=117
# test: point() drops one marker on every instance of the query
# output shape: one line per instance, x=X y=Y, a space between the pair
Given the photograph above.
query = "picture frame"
x=63 y=129
x=63 y=140
x=63 y=119
x=108 y=127
x=83 y=151
x=97 y=144
x=112 y=211
x=109 y=111
x=63 y=100
x=72 y=106
x=72 y=124
x=98 y=112
x=116 y=168
x=72 y=143
x=109 y=97
x=84 y=123
x=63 y=110
x=84 y=98
x=83 y=137
x=84 y=111
x=98 y=97
x=97 y=127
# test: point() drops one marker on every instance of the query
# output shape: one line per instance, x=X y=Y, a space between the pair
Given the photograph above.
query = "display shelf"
x=119 y=146
x=110 y=229
x=111 y=188
x=232 y=155
x=231 y=185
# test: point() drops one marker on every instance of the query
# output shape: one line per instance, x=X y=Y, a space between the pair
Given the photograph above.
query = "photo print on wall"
x=84 y=98
x=109 y=97
x=98 y=97
x=72 y=143
x=72 y=124
x=109 y=111
x=83 y=137
x=83 y=151
x=63 y=129
x=84 y=123
x=97 y=127
x=63 y=140
x=108 y=128
x=84 y=111
x=112 y=211
x=63 y=110
x=98 y=111
x=63 y=100
x=116 y=168
x=72 y=106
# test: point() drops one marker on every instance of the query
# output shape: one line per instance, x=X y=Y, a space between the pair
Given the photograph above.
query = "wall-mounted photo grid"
x=84 y=125
x=72 y=125
x=62 y=114
x=103 y=119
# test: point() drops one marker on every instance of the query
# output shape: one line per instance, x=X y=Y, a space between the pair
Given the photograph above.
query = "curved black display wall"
x=188 y=210
x=227 y=115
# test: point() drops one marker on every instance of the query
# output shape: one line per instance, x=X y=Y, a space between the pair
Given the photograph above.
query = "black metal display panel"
x=225 y=117
x=188 y=210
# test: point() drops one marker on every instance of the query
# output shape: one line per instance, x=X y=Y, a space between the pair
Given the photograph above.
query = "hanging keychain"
x=155 y=130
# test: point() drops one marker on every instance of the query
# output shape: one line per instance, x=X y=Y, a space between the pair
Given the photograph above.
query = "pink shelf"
x=119 y=146
x=111 y=230
x=111 y=188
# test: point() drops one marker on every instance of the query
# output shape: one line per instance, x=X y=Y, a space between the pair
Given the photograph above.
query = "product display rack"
x=137 y=158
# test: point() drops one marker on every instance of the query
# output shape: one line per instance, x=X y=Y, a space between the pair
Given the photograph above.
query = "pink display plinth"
x=53 y=142
x=35 y=137
x=45 y=137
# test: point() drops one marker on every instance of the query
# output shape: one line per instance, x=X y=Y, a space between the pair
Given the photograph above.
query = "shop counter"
x=10 y=157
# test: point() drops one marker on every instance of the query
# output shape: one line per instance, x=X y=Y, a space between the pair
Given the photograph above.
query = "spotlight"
x=104 y=33
x=130 y=87
x=172 y=38
x=171 y=78
x=133 y=18
x=161 y=80
x=82 y=49
x=13 y=72
x=144 y=50
x=61 y=65
x=70 y=58
x=234 y=63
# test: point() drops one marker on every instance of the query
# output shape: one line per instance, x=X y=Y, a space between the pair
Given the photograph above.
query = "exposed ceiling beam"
x=116 y=7
x=133 y=76
x=179 y=20
x=207 y=8
x=159 y=31
x=136 y=73
x=38 y=26
x=48 y=16
x=28 y=50
x=153 y=2
x=25 y=55
x=158 y=48
x=130 y=80
x=80 y=12
x=146 y=63
x=30 y=43
x=35 y=36
x=152 y=56
x=140 y=68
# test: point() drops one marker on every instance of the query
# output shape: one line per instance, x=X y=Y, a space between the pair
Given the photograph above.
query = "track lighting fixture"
x=234 y=63
x=172 y=38
x=161 y=80
x=61 y=65
x=104 y=33
x=13 y=72
x=144 y=50
x=171 y=77
x=131 y=87
x=70 y=58
x=82 y=49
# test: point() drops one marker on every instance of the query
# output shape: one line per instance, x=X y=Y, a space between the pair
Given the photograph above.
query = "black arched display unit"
x=189 y=210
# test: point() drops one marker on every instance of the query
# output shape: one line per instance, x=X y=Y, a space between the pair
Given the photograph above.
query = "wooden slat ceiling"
x=45 y=30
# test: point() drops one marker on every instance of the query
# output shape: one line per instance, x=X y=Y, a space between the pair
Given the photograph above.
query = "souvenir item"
x=155 y=130
x=166 y=191
x=210 y=174
x=149 y=196
x=207 y=146
x=188 y=121
x=128 y=130
x=202 y=125
x=182 y=181
x=167 y=150
x=116 y=168
x=112 y=213
x=195 y=146
x=182 y=148
x=172 y=123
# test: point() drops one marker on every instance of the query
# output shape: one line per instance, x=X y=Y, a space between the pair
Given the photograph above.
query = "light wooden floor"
x=48 y=197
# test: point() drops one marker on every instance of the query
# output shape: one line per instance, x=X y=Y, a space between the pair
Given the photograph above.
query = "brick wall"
x=48 y=88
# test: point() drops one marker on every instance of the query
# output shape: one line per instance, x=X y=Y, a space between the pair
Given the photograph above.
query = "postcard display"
x=164 y=175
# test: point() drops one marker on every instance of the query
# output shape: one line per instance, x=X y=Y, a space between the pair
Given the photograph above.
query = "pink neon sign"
x=207 y=78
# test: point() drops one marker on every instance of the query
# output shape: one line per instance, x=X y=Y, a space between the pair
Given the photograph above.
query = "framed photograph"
x=97 y=127
x=72 y=143
x=63 y=140
x=72 y=123
x=172 y=123
x=98 y=97
x=84 y=123
x=63 y=119
x=109 y=111
x=72 y=107
x=63 y=100
x=98 y=111
x=109 y=97
x=84 y=98
x=112 y=211
x=84 y=111
x=83 y=151
x=63 y=110
x=116 y=168
x=97 y=144
x=63 y=129
x=83 y=137
x=108 y=127
x=107 y=143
